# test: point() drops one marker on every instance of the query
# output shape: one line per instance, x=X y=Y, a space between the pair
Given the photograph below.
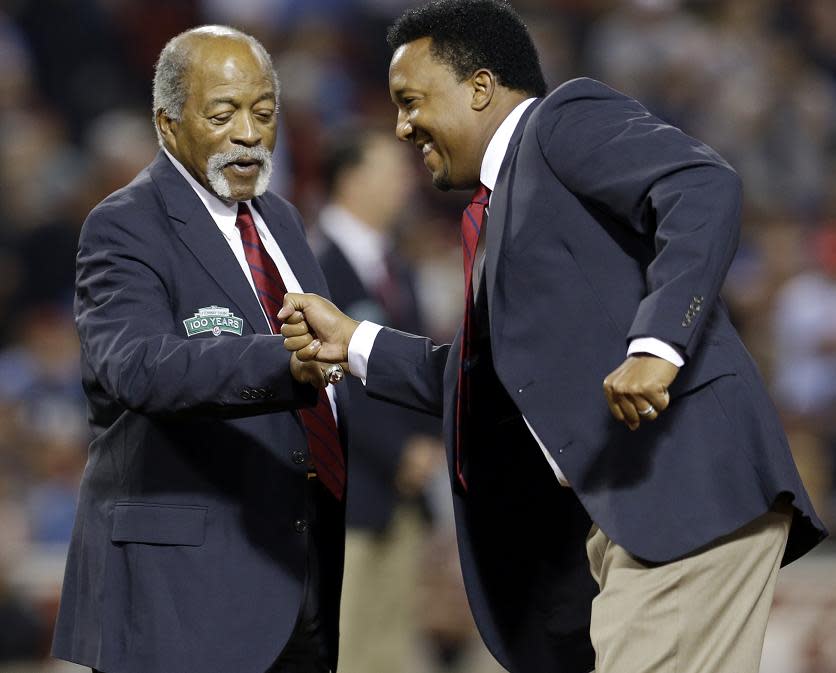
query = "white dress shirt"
x=224 y=216
x=362 y=342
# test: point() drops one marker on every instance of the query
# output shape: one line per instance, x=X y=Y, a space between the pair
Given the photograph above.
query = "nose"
x=246 y=131
x=403 y=129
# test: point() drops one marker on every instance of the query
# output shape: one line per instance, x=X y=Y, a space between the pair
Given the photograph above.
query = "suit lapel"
x=500 y=206
x=201 y=235
x=293 y=245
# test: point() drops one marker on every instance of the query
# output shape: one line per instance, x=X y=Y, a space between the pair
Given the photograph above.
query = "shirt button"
x=300 y=526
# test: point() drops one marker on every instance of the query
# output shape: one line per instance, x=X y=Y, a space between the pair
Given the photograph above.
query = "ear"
x=484 y=86
x=168 y=128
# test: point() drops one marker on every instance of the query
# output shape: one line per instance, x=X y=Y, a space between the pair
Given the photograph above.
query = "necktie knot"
x=481 y=196
x=245 y=217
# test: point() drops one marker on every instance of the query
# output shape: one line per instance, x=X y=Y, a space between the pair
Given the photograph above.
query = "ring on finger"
x=334 y=374
x=647 y=412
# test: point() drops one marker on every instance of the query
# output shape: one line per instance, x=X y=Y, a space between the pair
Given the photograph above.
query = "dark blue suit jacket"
x=606 y=224
x=379 y=432
x=190 y=544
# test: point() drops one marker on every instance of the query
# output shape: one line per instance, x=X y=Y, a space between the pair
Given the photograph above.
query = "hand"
x=315 y=328
x=638 y=385
x=307 y=372
x=421 y=459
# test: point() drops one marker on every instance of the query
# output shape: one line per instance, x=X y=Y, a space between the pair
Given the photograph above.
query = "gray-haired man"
x=210 y=528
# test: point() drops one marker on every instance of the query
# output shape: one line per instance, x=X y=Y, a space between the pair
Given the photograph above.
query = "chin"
x=243 y=194
x=230 y=187
x=442 y=182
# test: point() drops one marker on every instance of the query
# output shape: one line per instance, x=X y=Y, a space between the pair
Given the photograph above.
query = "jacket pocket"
x=159 y=524
x=711 y=363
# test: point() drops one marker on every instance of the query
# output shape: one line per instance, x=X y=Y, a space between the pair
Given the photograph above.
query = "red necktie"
x=472 y=220
x=321 y=429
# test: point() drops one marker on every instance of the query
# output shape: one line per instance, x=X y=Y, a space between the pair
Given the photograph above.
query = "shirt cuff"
x=660 y=349
x=360 y=348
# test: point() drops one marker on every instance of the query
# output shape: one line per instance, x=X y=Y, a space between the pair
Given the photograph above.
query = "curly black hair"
x=472 y=34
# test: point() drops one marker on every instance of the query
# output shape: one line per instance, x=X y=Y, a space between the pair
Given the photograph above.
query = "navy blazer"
x=606 y=224
x=379 y=432
x=194 y=521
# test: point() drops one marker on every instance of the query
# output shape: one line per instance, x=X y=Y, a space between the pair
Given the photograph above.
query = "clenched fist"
x=637 y=391
x=315 y=329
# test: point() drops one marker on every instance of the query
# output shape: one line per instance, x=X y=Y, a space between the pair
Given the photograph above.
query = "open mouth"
x=245 y=167
x=428 y=153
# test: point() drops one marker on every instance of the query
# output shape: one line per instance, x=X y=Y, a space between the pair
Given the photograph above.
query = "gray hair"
x=170 y=87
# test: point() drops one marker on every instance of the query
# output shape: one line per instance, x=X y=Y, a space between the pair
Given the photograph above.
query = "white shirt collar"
x=223 y=214
x=498 y=146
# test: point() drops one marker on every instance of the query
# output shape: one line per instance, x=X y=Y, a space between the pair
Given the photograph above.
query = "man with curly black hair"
x=635 y=528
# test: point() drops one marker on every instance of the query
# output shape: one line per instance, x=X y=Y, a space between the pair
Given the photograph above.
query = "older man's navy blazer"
x=606 y=224
x=194 y=523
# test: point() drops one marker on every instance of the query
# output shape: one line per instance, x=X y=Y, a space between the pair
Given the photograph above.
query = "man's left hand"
x=307 y=372
x=637 y=391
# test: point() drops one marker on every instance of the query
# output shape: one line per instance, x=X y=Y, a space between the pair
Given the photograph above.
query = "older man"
x=209 y=534
x=595 y=246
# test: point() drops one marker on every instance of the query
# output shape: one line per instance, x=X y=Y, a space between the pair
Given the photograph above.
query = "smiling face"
x=436 y=113
x=227 y=130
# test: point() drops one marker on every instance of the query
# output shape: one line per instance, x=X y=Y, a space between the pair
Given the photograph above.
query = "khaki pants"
x=377 y=614
x=705 y=613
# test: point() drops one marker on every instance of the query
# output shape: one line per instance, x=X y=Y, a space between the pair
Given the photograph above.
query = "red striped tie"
x=473 y=218
x=323 y=438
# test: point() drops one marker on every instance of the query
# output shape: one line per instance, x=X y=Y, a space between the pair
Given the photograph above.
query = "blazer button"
x=245 y=394
x=298 y=456
x=300 y=526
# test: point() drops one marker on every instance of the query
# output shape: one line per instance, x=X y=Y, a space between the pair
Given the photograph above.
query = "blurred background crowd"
x=756 y=79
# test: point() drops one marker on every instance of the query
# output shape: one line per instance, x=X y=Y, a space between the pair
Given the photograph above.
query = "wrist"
x=351 y=328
